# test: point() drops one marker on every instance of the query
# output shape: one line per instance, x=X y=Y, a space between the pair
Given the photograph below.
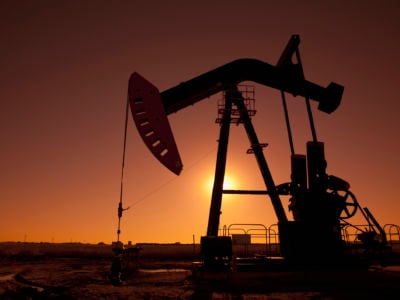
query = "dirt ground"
x=25 y=275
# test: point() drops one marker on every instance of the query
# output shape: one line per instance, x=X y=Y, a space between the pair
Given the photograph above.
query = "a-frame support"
x=233 y=96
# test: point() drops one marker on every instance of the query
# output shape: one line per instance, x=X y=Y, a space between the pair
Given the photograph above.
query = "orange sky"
x=64 y=73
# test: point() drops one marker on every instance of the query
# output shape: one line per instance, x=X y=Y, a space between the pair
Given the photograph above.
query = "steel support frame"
x=217 y=193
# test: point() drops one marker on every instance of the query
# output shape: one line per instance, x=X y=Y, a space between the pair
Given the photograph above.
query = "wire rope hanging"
x=120 y=207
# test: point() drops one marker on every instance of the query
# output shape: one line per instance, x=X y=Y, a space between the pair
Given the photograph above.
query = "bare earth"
x=62 y=271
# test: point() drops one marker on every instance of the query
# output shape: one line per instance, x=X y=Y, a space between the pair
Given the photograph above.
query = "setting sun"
x=229 y=183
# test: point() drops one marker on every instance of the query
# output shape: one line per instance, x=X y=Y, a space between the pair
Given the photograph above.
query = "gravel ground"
x=53 y=277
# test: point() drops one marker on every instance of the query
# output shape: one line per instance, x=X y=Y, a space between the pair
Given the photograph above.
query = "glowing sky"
x=64 y=76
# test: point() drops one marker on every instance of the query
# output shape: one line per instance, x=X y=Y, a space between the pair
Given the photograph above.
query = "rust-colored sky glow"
x=64 y=76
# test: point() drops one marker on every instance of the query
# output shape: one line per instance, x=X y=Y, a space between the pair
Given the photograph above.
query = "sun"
x=229 y=183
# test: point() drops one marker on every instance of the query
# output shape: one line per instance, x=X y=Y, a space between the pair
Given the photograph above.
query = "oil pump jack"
x=318 y=201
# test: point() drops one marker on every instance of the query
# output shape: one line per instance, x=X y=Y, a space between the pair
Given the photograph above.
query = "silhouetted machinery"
x=318 y=201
